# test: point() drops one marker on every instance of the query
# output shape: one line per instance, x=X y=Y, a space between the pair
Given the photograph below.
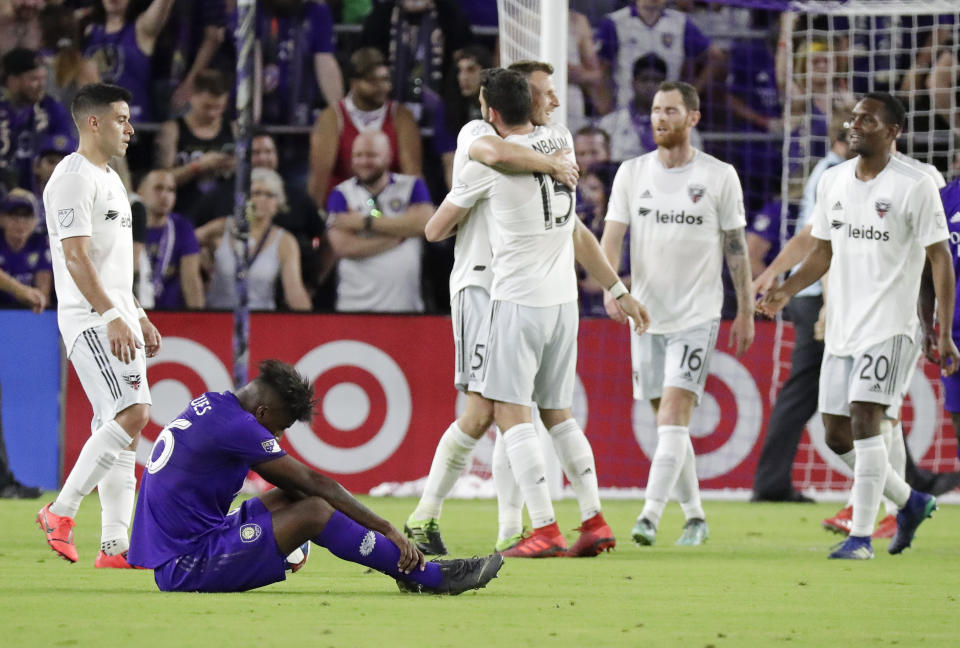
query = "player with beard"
x=530 y=350
x=876 y=219
x=685 y=212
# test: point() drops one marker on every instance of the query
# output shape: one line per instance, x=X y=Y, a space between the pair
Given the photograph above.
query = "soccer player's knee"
x=134 y=419
x=838 y=442
x=316 y=508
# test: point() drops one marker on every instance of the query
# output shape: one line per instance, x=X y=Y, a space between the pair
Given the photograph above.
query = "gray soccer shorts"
x=531 y=354
x=111 y=386
x=470 y=314
x=878 y=375
x=893 y=412
x=680 y=359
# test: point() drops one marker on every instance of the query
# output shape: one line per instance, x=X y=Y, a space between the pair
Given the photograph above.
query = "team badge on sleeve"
x=65 y=216
x=250 y=532
x=882 y=206
x=696 y=192
x=271 y=446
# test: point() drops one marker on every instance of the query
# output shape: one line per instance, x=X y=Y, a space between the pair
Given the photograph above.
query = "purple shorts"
x=951 y=392
x=239 y=555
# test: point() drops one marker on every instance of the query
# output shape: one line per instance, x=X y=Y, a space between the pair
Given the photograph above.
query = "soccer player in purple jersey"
x=950 y=196
x=182 y=528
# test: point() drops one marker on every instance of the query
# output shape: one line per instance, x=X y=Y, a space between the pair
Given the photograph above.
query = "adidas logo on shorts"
x=876 y=389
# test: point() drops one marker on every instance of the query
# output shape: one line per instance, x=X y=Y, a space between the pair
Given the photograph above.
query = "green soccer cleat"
x=508 y=543
x=644 y=533
x=426 y=535
x=695 y=533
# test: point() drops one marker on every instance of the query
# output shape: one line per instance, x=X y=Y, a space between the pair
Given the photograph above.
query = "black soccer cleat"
x=459 y=575
x=426 y=535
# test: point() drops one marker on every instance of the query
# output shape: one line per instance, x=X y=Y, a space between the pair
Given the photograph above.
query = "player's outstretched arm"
x=509 y=157
x=289 y=474
x=590 y=255
x=795 y=251
x=944 y=285
x=735 y=252
x=814 y=267
x=76 y=250
x=444 y=221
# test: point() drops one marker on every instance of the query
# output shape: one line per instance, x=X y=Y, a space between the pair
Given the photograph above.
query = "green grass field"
x=763 y=579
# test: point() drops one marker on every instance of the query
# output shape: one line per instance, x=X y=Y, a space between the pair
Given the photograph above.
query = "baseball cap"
x=19 y=199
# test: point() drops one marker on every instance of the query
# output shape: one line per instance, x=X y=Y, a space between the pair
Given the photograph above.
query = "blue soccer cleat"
x=918 y=508
x=853 y=548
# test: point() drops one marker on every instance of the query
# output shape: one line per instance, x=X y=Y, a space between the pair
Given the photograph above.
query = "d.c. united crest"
x=132 y=379
x=696 y=192
x=882 y=206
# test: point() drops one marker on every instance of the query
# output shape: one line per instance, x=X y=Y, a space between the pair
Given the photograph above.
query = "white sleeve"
x=71 y=200
x=471 y=132
x=474 y=182
x=732 y=214
x=821 y=226
x=618 y=207
x=925 y=211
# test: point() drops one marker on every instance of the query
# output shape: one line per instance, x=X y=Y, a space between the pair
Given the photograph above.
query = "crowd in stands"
x=328 y=73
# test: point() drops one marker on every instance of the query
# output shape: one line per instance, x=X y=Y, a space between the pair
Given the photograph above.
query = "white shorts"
x=877 y=375
x=531 y=354
x=893 y=412
x=680 y=359
x=470 y=313
x=111 y=386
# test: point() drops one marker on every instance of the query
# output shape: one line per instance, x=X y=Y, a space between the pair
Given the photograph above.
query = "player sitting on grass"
x=182 y=529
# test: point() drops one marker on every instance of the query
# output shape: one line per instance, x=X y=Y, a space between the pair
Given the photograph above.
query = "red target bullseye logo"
x=364 y=408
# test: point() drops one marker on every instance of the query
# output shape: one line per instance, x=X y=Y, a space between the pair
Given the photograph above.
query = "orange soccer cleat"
x=545 y=542
x=841 y=523
x=887 y=527
x=114 y=562
x=596 y=536
x=59 y=532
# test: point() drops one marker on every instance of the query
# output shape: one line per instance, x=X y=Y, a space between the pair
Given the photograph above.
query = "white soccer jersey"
x=532 y=225
x=878 y=231
x=471 y=251
x=677 y=218
x=82 y=199
x=929 y=169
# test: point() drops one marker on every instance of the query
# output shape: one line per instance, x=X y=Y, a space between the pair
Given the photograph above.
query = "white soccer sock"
x=449 y=460
x=576 y=457
x=868 y=478
x=667 y=463
x=895 y=488
x=897 y=456
x=509 y=498
x=96 y=458
x=688 y=486
x=530 y=471
x=116 y=491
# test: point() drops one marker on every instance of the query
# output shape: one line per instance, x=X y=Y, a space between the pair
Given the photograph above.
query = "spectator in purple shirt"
x=27 y=114
x=171 y=247
x=24 y=252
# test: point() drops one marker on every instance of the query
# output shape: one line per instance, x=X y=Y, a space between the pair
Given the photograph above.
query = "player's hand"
x=612 y=306
x=820 y=326
x=123 y=343
x=635 y=311
x=33 y=298
x=928 y=342
x=773 y=302
x=410 y=557
x=764 y=283
x=151 y=337
x=741 y=333
x=564 y=170
x=949 y=355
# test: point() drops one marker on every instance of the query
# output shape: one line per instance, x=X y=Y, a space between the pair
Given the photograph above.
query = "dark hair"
x=527 y=67
x=508 y=92
x=478 y=53
x=691 y=100
x=649 y=62
x=294 y=390
x=594 y=130
x=211 y=81
x=894 y=112
x=96 y=96
x=362 y=62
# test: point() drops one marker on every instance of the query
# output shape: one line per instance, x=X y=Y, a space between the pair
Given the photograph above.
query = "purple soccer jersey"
x=23 y=129
x=196 y=468
x=166 y=246
x=950 y=196
x=24 y=264
x=120 y=61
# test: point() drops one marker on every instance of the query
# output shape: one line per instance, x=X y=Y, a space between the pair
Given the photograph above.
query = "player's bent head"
x=287 y=389
x=507 y=92
x=688 y=94
x=95 y=99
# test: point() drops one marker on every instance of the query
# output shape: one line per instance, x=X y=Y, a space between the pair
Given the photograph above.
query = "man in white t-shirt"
x=106 y=334
x=685 y=212
x=530 y=353
x=875 y=221
x=470 y=281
